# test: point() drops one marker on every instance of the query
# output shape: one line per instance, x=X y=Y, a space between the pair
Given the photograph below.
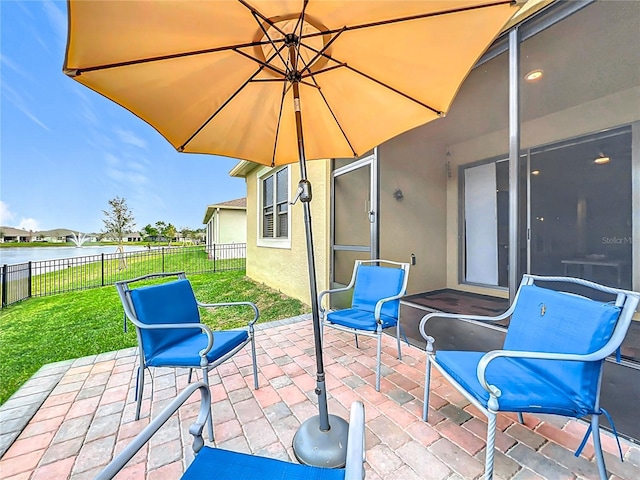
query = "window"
x=275 y=204
x=576 y=216
x=486 y=223
x=581 y=211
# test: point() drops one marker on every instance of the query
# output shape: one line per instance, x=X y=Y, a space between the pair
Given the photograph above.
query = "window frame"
x=274 y=241
x=525 y=232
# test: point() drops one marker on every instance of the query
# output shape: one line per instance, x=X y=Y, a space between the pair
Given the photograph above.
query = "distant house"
x=226 y=222
x=57 y=235
x=132 y=237
x=9 y=234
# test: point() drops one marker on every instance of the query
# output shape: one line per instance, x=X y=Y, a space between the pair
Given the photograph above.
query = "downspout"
x=217 y=232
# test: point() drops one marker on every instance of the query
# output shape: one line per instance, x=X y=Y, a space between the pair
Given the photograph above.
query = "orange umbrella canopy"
x=215 y=76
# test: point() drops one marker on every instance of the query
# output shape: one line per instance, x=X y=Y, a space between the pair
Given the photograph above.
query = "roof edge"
x=242 y=168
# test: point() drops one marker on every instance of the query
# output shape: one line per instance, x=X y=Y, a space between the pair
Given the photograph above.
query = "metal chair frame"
x=355 y=456
x=627 y=300
x=124 y=290
x=378 y=332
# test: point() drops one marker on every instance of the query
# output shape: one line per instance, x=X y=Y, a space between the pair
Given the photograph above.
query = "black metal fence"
x=48 y=277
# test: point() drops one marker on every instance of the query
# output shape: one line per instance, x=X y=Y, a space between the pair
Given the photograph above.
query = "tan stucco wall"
x=416 y=224
x=233 y=226
x=285 y=269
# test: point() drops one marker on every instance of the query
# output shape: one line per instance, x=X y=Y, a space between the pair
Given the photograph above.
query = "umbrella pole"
x=320 y=441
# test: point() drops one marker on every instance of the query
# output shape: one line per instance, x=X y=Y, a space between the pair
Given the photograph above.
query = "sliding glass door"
x=581 y=208
x=577 y=202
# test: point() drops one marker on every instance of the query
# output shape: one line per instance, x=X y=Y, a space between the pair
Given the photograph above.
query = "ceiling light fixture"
x=535 y=172
x=533 y=75
x=601 y=159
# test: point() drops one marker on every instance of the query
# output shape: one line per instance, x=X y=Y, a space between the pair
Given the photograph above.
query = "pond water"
x=12 y=255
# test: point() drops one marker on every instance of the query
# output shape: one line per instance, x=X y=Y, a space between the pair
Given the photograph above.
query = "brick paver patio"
x=71 y=417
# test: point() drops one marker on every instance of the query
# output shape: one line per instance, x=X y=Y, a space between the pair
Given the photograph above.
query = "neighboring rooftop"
x=237 y=204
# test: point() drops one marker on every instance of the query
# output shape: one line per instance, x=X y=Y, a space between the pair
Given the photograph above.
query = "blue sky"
x=65 y=150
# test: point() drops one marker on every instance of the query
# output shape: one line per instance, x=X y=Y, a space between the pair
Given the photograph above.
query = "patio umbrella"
x=278 y=82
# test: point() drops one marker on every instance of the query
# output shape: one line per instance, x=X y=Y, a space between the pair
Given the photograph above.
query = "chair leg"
x=427 y=378
x=427 y=382
x=597 y=446
x=398 y=340
x=379 y=359
x=139 y=390
x=491 y=443
x=255 y=364
x=190 y=374
x=356 y=335
x=205 y=377
x=520 y=418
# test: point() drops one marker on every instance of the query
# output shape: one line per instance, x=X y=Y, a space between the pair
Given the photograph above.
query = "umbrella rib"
x=375 y=80
x=270 y=67
x=275 y=140
x=326 y=102
x=74 y=72
x=344 y=134
x=411 y=17
x=264 y=30
x=265 y=63
x=395 y=90
x=311 y=74
x=226 y=102
x=299 y=25
x=301 y=17
x=257 y=13
x=324 y=49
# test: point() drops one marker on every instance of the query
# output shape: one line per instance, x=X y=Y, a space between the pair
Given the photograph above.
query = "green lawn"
x=42 y=330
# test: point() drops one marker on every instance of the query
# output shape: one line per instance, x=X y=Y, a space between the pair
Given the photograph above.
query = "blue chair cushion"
x=166 y=303
x=226 y=465
x=548 y=321
x=523 y=389
x=374 y=283
x=360 y=319
x=185 y=352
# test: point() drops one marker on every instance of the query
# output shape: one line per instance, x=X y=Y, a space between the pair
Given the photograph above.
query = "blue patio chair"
x=170 y=334
x=222 y=464
x=552 y=357
x=377 y=287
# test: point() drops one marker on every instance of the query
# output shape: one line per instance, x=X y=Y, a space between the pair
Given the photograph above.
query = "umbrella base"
x=312 y=446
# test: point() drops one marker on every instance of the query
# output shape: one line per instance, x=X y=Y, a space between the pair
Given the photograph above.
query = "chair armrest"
x=354 y=468
x=205 y=329
x=112 y=469
x=325 y=292
x=380 y=303
x=458 y=316
x=573 y=357
x=256 y=312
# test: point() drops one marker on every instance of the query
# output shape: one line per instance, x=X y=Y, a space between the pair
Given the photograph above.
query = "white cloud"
x=6 y=215
x=129 y=137
x=129 y=174
x=112 y=160
x=32 y=117
x=57 y=20
x=7 y=62
x=18 y=101
x=29 y=224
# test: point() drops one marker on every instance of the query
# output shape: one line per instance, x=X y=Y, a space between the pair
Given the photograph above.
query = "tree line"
x=119 y=221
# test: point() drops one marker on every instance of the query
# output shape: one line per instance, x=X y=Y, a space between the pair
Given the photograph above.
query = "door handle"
x=372 y=216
